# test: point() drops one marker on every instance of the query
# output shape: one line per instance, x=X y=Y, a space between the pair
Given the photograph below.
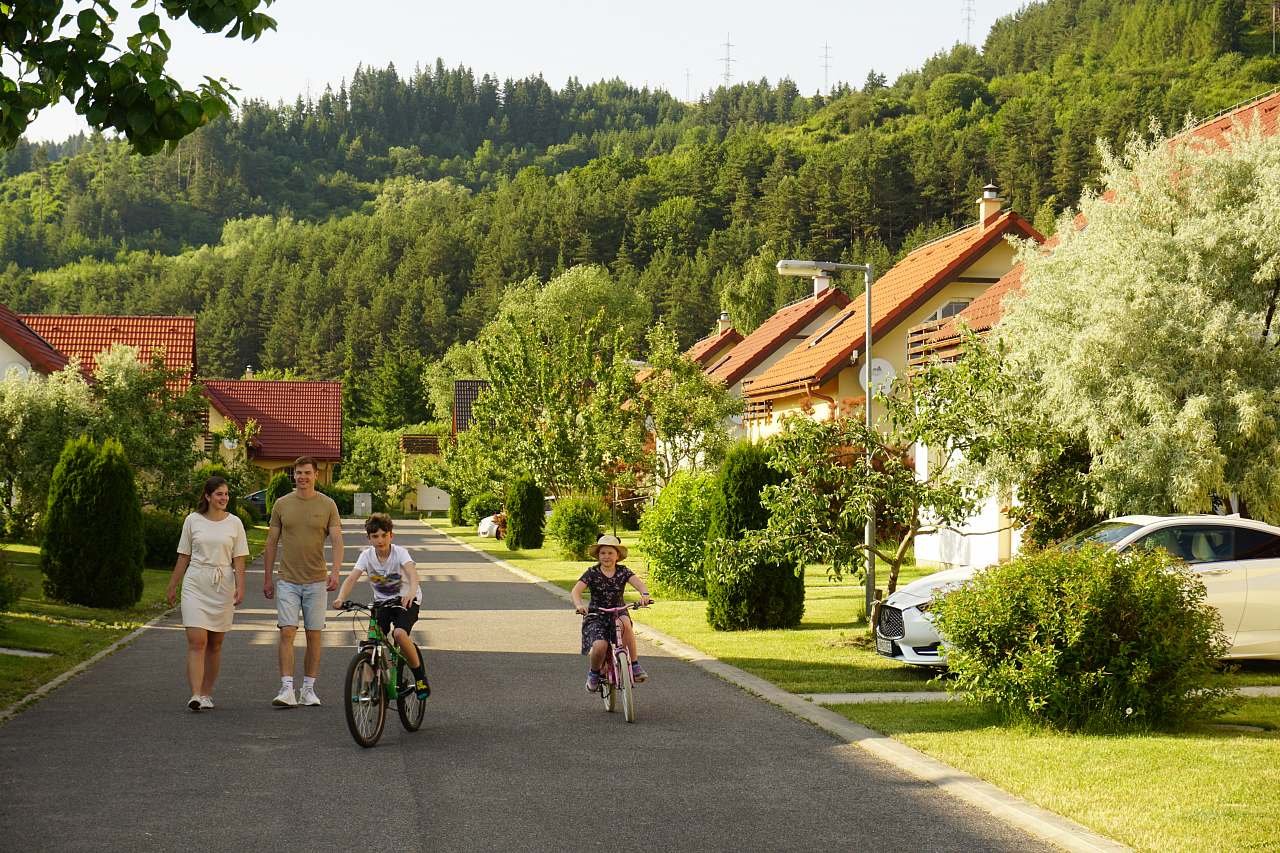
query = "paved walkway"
x=513 y=754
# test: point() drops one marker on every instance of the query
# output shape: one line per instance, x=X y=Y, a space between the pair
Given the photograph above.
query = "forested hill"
x=374 y=226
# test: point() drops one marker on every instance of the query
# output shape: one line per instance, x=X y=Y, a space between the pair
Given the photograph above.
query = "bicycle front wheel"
x=608 y=687
x=366 y=702
x=626 y=687
x=409 y=706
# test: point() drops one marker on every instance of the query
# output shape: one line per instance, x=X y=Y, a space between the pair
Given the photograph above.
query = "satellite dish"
x=882 y=376
x=230 y=443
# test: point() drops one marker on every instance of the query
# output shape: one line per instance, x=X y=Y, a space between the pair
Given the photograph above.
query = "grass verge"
x=1208 y=789
x=70 y=633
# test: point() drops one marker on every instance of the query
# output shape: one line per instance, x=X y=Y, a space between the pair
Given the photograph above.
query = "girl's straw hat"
x=613 y=542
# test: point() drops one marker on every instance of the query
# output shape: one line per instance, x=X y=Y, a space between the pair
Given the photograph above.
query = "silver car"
x=1237 y=559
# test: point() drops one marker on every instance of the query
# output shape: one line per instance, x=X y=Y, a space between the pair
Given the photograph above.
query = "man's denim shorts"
x=309 y=598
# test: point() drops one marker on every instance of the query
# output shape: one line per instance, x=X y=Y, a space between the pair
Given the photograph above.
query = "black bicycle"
x=377 y=675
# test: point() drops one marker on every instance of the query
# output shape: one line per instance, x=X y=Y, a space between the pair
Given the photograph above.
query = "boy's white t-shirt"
x=386 y=577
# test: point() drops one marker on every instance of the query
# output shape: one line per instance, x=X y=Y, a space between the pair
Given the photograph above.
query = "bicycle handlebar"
x=635 y=605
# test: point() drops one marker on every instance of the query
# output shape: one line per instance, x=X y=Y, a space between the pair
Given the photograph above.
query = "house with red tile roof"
x=710 y=349
x=23 y=351
x=294 y=419
x=84 y=336
x=821 y=376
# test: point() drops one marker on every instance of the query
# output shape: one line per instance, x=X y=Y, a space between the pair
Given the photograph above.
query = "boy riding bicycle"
x=397 y=595
x=606 y=580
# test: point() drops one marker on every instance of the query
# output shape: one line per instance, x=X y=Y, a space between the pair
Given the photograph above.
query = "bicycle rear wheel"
x=366 y=701
x=626 y=687
x=409 y=706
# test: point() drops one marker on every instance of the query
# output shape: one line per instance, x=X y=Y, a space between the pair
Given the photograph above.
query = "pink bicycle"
x=615 y=676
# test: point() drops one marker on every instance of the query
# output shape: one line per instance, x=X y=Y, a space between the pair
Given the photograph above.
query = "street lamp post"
x=823 y=269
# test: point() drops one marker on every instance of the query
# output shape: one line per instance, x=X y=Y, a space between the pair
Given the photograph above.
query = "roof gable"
x=42 y=357
x=894 y=296
x=712 y=347
x=772 y=335
x=84 y=336
x=294 y=418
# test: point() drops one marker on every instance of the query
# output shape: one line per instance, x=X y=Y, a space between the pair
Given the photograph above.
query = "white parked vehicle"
x=1237 y=559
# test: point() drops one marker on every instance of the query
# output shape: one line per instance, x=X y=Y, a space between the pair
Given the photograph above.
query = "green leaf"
x=140 y=118
x=87 y=20
x=149 y=23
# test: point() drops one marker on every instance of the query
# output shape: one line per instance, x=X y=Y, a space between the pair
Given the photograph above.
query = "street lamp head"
x=809 y=269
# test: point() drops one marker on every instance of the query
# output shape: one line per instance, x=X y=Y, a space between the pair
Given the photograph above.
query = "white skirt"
x=208 y=601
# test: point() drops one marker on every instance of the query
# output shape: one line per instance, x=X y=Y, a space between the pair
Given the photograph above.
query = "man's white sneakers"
x=285 y=698
x=307 y=696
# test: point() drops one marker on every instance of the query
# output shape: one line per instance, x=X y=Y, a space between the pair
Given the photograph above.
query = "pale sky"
x=655 y=42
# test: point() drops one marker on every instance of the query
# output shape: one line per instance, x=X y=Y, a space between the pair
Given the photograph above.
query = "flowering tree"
x=1150 y=334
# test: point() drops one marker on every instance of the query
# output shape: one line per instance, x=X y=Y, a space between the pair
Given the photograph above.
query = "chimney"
x=821 y=283
x=723 y=324
x=248 y=371
x=990 y=204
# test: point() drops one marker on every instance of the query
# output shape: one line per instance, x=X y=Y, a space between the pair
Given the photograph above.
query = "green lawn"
x=1210 y=789
x=72 y=633
x=828 y=653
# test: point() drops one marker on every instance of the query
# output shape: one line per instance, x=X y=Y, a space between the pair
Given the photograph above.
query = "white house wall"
x=11 y=359
x=974 y=543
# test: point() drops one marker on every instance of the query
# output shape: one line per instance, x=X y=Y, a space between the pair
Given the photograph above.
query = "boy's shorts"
x=307 y=599
x=393 y=613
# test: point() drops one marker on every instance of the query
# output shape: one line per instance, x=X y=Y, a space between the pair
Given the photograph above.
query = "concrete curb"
x=48 y=687
x=1000 y=804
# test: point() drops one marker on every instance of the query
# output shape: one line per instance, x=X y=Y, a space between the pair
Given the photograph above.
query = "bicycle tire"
x=366 y=700
x=410 y=708
x=608 y=690
x=626 y=687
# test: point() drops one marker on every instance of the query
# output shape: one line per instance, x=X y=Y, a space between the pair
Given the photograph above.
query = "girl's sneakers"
x=638 y=673
x=593 y=681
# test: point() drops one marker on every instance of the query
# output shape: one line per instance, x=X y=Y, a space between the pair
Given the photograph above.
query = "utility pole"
x=826 y=68
x=967 y=15
x=686 y=86
x=728 y=61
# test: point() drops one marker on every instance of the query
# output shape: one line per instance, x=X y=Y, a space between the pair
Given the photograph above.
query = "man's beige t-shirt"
x=303 y=526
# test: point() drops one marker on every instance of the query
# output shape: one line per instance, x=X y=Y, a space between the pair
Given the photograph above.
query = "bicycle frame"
x=616 y=644
x=384 y=653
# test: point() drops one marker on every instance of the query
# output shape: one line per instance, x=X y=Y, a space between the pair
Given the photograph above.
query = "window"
x=951 y=309
x=1256 y=545
x=1106 y=533
x=1194 y=543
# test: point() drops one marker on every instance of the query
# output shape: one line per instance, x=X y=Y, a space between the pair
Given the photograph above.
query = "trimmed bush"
x=749 y=589
x=212 y=469
x=246 y=518
x=673 y=533
x=575 y=524
x=482 y=505
x=735 y=505
x=279 y=486
x=1086 y=640
x=526 y=515
x=344 y=495
x=93 y=544
x=11 y=586
x=161 y=532
x=457 y=501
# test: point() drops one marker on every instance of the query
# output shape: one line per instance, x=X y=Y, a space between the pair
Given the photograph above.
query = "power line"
x=967 y=15
x=728 y=61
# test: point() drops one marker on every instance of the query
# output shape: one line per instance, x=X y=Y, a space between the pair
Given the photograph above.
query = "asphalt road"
x=513 y=754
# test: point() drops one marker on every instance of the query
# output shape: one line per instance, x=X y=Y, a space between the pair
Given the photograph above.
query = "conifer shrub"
x=457 y=502
x=161 y=532
x=481 y=506
x=750 y=589
x=1086 y=640
x=246 y=518
x=93 y=546
x=279 y=486
x=575 y=524
x=344 y=496
x=735 y=505
x=674 y=534
x=526 y=516
x=204 y=472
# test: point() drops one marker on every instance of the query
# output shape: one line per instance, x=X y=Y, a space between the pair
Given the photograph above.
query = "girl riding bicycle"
x=606 y=581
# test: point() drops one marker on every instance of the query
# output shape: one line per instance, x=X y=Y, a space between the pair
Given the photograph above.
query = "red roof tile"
x=712 y=346
x=986 y=310
x=87 y=335
x=28 y=344
x=895 y=295
x=773 y=334
x=294 y=418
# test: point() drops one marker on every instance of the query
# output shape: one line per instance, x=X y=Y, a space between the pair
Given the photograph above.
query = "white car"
x=1237 y=559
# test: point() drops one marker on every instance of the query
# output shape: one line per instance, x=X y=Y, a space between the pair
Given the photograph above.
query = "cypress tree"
x=93 y=546
x=525 y=514
x=279 y=486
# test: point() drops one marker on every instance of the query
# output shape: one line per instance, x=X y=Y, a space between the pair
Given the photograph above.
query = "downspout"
x=831 y=401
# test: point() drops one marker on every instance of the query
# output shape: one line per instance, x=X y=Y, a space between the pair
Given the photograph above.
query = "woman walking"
x=210 y=567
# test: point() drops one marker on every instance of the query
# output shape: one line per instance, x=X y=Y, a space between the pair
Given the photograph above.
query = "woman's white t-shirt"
x=213 y=544
x=387 y=577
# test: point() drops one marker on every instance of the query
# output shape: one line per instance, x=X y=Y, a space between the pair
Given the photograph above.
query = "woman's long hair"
x=211 y=485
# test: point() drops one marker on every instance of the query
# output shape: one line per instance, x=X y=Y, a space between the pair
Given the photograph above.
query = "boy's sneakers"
x=307 y=696
x=194 y=703
x=638 y=673
x=593 y=681
x=285 y=698
x=206 y=703
x=423 y=688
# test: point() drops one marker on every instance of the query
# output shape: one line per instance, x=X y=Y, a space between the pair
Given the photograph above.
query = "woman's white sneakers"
x=206 y=703
x=194 y=703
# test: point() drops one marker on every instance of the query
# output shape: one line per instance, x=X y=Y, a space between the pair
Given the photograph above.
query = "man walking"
x=302 y=518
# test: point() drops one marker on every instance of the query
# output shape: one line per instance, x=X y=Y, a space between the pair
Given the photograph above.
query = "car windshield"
x=1106 y=533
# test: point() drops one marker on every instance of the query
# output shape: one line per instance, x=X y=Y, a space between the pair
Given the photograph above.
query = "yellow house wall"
x=217 y=421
